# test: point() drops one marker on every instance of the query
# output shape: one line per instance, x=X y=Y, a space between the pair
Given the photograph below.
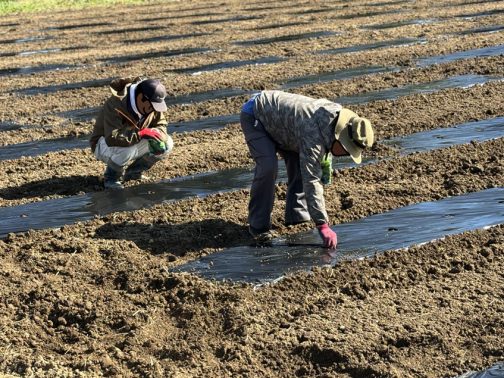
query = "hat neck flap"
x=327 y=127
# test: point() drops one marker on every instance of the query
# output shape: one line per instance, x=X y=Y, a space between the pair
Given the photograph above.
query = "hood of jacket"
x=119 y=87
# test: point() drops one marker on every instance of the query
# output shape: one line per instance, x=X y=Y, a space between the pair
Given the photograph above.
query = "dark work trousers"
x=262 y=193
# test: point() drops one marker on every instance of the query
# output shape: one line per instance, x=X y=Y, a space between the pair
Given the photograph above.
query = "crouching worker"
x=306 y=132
x=130 y=134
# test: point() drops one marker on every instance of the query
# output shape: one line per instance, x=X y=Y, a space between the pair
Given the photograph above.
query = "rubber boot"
x=112 y=177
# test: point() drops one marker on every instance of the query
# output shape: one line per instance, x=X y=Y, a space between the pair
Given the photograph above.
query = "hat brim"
x=350 y=147
x=159 y=106
x=342 y=135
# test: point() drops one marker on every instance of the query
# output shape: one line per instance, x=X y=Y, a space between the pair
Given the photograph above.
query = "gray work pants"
x=120 y=157
x=262 y=193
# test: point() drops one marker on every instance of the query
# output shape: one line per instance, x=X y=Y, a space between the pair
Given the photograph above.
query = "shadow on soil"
x=67 y=186
x=177 y=239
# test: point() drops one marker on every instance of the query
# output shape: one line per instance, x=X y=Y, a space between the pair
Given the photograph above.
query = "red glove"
x=328 y=236
x=150 y=134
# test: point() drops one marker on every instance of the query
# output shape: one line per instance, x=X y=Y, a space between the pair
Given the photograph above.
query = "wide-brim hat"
x=354 y=133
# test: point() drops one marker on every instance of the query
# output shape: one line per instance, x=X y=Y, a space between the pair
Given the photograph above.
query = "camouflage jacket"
x=116 y=123
x=304 y=125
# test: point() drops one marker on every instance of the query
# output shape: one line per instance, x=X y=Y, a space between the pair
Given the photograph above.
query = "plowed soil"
x=96 y=298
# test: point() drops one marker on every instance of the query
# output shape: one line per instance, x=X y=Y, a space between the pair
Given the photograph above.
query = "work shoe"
x=112 y=178
x=136 y=170
x=129 y=176
x=110 y=184
x=262 y=237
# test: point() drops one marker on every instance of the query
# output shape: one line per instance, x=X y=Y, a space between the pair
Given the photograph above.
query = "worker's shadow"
x=177 y=239
x=64 y=186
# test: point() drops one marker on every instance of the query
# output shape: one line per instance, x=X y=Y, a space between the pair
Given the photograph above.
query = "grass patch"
x=25 y=6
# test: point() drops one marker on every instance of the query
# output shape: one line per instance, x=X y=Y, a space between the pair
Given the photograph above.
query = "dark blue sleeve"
x=248 y=107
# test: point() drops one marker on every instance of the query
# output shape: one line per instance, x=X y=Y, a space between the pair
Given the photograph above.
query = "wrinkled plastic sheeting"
x=496 y=371
x=61 y=211
x=459 y=55
x=459 y=81
x=483 y=130
x=478 y=131
x=396 y=229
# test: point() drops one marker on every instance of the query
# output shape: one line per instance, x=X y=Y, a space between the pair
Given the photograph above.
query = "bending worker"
x=130 y=133
x=304 y=131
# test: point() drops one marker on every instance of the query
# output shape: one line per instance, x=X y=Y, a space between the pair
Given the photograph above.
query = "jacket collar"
x=132 y=101
x=327 y=129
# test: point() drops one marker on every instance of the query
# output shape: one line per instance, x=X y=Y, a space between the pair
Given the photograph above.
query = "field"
x=97 y=296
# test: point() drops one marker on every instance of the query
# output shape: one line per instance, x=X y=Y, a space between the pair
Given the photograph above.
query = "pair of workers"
x=130 y=136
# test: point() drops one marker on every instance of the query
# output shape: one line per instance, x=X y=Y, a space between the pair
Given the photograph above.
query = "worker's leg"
x=262 y=193
x=117 y=158
x=145 y=162
x=296 y=210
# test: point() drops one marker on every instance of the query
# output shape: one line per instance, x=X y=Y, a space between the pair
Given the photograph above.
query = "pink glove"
x=150 y=134
x=328 y=236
